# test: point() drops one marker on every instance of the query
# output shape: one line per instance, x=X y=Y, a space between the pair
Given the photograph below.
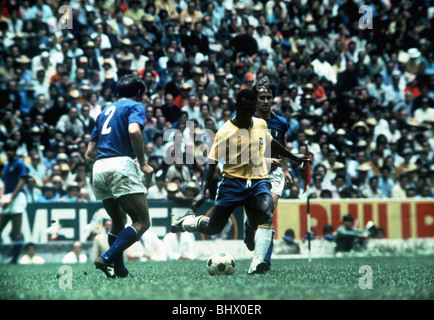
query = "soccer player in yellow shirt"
x=242 y=143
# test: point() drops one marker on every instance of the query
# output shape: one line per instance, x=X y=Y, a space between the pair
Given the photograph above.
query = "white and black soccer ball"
x=220 y=263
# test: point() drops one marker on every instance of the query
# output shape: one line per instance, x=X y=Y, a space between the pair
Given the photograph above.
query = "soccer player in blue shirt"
x=245 y=181
x=117 y=145
x=13 y=200
x=279 y=174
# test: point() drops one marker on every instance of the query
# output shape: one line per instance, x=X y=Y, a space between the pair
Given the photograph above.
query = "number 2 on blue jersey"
x=110 y=112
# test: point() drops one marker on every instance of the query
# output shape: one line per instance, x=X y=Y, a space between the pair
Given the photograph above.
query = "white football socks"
x=262 y=243
x=191 y=223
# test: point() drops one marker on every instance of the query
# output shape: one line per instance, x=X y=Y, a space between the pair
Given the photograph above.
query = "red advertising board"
x=400 y=219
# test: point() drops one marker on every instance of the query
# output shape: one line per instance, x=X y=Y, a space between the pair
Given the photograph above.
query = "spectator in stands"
x=385 y=184
x=36 y=168
x=100 y=241
x=158 y=191
x=339 y=183
x=86 y=119
x=190 y=190
x=331 y=164
x=348 y=238
x=316 y=186
x=32 y=190
x=58 y=185
x=288 y=245
x=48 y=193
x=328 y=233
x=174 y=192
x=372 y=190
x=149 y=247
x=374 y=163
x=407 y=164
x=179 y=246
x=360 y=181
x=178 y=170
x=76 y=254
x=30 y=256
x=372 y=87
x=190 y=14
x=72 y=193
x=70 y=123
x=400 y=187
x=326 y=194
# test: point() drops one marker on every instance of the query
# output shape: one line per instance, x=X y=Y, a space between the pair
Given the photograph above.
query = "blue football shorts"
x=233 y=192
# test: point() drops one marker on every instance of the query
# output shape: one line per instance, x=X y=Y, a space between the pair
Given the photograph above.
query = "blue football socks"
x=118 y=244
x=118 y=260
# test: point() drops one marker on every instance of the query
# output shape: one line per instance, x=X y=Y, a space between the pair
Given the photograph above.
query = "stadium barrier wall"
x=75 y=219
x=53 y=252
x=400 y=219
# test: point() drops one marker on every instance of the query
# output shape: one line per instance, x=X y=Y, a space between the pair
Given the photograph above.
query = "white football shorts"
x=18 y=206
x=116 y=177
x=277 y=181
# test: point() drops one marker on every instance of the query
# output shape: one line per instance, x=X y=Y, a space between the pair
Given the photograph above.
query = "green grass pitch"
x=393 y=278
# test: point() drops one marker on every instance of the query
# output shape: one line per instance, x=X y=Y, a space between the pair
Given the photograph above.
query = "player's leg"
x=16 y=209
x=250 y=229
x=216 y=221
x=119 y=178
x=230 y=194
x=4 y=219
x=116 y=214
x=119 y=219
x=16 y=237
x=249 y=234
x=270 y=249
x=136 y=206
x=260 y=209
x=277 y=180
x=211 y=225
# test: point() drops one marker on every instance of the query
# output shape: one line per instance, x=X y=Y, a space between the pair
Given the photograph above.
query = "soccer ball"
x=220 y=263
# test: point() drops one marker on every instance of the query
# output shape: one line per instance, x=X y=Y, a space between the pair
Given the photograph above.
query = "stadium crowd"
x=357 y=92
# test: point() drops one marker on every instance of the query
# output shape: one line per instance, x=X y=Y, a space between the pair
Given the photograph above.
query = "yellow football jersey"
x=243 y=150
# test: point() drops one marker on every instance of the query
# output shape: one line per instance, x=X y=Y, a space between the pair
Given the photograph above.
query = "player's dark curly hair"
x=264 y=84
x=246 y=96
x=129 y=85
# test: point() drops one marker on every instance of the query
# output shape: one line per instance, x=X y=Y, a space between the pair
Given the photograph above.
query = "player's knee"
x=267 y=204
x=266 y=209
x=144 y=225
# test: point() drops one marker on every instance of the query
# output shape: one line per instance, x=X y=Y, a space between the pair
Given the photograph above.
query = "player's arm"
x=285 y=168
x=352 y=233
x=207 y=176
x=138 y=145
x=137 y=142
x=92 y=150
x=276 y=147
x=92 y=146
